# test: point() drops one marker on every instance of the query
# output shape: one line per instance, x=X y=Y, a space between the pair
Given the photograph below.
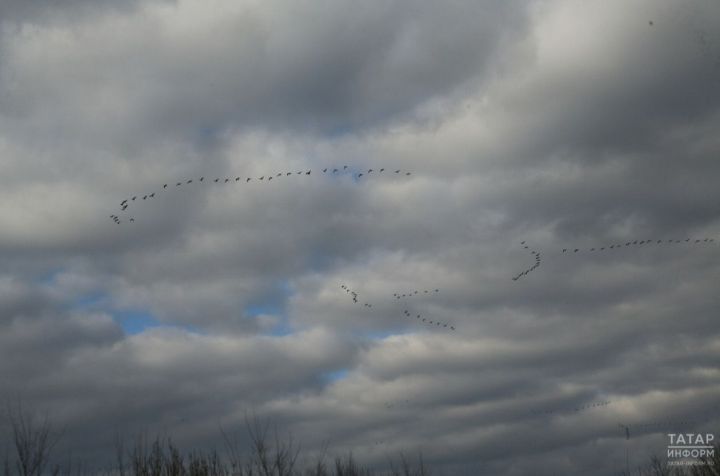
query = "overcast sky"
x=566 y=124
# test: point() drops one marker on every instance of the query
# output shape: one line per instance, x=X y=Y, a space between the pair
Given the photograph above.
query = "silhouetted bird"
x=247 y=180
x=360 y=175
x=407 y=173
x=134 y=198
x=165 y=186
x=152 y=195
x=189 y=181
x=132 y=219
x=262 y=177
x=308 y=172
x=178 y=184
x=397 y=171
x=324 y=170
x=217 y=180
x=269 y=178
x=335 y=171
x=144 y=197
x=345 y=167
x=202 y=178
x=227 y=180
x=382 y=170
x=237 y=179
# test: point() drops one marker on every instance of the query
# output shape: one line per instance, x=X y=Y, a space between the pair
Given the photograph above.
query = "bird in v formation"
x=124 y=203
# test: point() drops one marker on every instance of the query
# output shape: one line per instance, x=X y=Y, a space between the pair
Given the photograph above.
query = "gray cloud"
x=561 y=124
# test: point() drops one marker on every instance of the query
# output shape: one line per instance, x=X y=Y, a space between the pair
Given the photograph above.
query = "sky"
x=553 y=125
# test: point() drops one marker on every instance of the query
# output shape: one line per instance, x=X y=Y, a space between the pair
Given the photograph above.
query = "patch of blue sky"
x=273 y=303
x=92 y=301
x=335 y=375
x=49 y=278
x=137 y=321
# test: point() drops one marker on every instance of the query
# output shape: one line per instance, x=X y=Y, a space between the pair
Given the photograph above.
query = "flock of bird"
x=537 y=261
x=582 y=408
x=535 y=265
x=405 y=402
x=618 y=246
x=413 y=293
x=125 y=203
x=607 y=248
x=406 y=312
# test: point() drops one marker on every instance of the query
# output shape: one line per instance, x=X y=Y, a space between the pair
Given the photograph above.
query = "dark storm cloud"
x=332 y=67
x=563 y=124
